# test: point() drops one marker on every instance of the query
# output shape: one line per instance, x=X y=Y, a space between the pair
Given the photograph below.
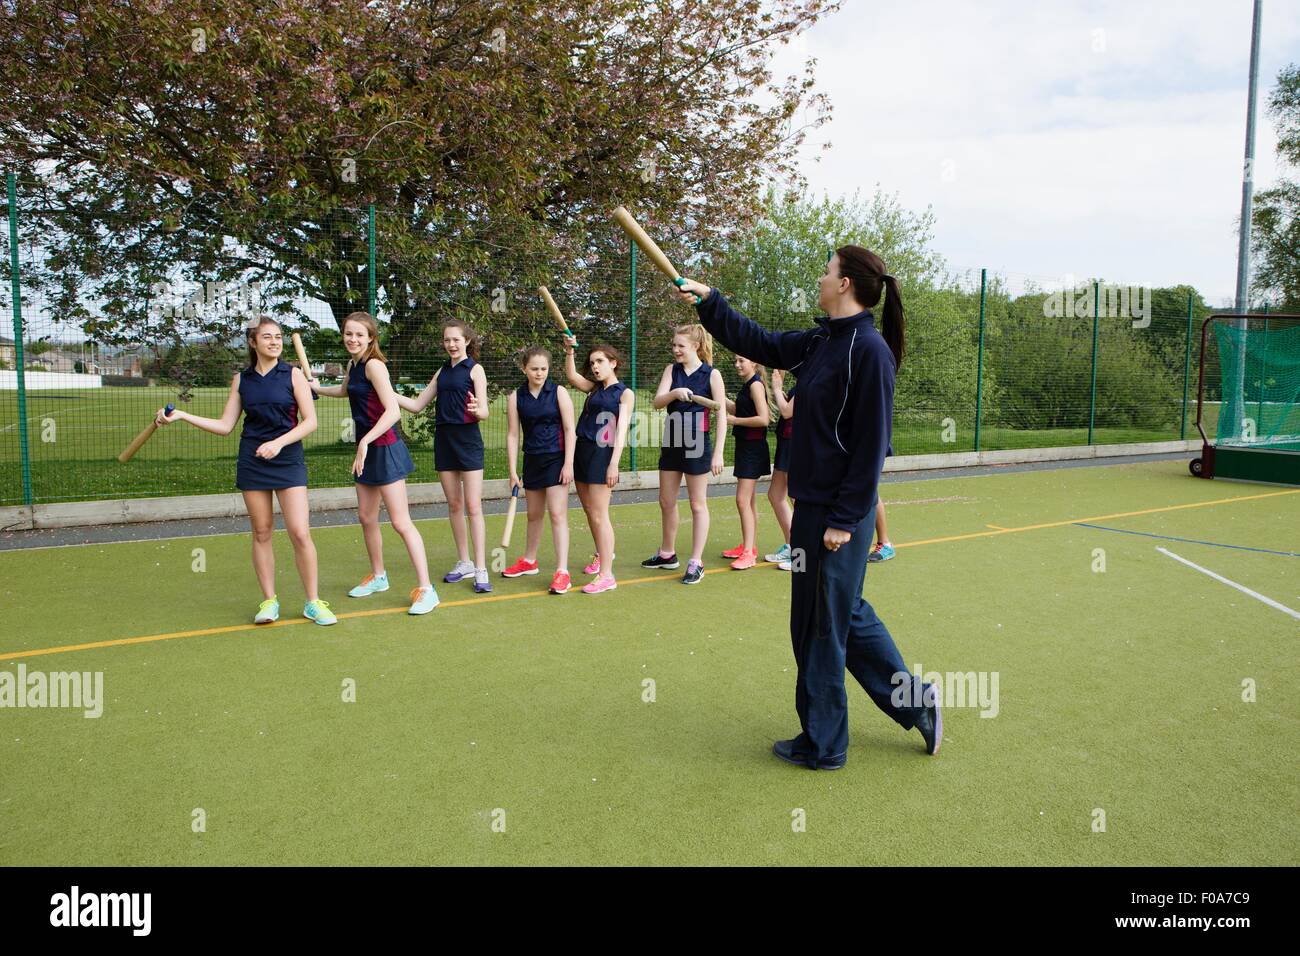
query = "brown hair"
x=372 y=348
x=530 y=353
x=611 y=353
x=700 y=338
x=869 y=278
x=250 y=335
x=472 y=341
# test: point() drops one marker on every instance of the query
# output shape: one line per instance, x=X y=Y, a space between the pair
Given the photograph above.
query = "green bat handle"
x=679 y=281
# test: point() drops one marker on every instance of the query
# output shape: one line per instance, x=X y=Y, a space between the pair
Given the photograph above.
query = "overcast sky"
x=1058 y=138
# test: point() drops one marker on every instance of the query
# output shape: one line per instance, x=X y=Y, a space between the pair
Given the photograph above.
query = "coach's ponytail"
x=891 y=320
x=870 y=279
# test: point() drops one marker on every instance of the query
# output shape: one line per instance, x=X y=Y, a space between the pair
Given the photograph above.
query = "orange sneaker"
x=560 y=583
x=735 y=552
x=746 y=560
x=520 y=567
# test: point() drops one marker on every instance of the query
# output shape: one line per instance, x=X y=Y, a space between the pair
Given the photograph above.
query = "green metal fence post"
x=1263 y=377
x=979 y=361
x=1092 y=399
x=1187 y=370
x=15 y=292
x=371 y=273
x=631 y=308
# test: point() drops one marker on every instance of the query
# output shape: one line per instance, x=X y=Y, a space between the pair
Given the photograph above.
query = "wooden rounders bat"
x=510 y=516
x=302 y=355
x=704 y=400
x=648 y=246
x=556 y=314
x=141 y=438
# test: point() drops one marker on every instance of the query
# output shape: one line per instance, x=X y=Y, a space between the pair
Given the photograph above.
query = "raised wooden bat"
x=302 y=355
x=141 y=438
x=648 y=246
x=556 y=314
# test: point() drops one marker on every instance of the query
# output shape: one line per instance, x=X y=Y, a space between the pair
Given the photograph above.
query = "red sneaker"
x=735 y=552
x=560 y=583
x=519 y=568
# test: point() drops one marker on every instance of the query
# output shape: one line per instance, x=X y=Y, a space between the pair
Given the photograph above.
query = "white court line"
x=1240 y=587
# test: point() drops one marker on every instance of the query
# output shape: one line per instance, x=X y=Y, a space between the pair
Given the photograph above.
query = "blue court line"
x=1165 y=537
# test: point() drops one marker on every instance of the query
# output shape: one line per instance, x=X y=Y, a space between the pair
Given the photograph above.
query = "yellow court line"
x=235 y=628
x=1110 y=517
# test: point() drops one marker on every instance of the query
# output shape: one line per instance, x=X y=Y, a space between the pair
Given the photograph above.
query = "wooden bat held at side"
x=704 y=400
x=302 y=355
x=510 y=516
x=648 y=245
x=141 y=438
x=556 y=314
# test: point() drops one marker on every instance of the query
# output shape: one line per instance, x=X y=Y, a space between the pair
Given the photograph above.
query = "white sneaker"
x=462 y=570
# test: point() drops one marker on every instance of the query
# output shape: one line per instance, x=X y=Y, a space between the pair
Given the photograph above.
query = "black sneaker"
x=785 y=749
x=930 y=723
x=657 y=560
x=694 y=573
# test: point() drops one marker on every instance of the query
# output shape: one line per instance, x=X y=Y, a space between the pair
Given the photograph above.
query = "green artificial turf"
x=1118 y=690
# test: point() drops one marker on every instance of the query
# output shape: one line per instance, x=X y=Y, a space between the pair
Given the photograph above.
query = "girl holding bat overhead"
x=543 y=411
x=602 y=435
x=689 y=450
x=460 y=390
x=273 y=396
x=842 y=428
x=382 y=462
x=749 y=415
x=778 y=488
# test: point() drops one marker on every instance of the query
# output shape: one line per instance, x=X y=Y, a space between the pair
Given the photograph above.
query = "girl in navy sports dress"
x=382 y=461
x=271 y=394
x=688 y=448
x=460 y=390
x=749 y=416
x=778 y=488
x=602 y=434
x=543 y=411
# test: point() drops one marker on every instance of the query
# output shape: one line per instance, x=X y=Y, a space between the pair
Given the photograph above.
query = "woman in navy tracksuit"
x=842 y=426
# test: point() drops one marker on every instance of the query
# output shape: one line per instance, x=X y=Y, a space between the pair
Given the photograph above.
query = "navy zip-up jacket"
x=843 y=417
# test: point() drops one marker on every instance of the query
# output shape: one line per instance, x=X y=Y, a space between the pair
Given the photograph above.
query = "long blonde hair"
x=761 y=370
x=372 y=348
x=699 y=337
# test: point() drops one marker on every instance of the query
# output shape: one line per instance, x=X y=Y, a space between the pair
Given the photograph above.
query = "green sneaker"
x=319 y=611
x=267 y=611
x=370 y=584
x=423 y=600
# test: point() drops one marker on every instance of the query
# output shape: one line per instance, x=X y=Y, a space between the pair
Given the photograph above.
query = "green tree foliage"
x=243 y=140
x=1275 y=221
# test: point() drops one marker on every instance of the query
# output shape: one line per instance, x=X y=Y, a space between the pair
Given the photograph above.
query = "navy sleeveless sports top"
x=454 y=383
x=540 y=419
x=366 y=406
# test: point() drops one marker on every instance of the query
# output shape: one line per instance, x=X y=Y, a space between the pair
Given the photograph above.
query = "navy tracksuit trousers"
x=833 y=628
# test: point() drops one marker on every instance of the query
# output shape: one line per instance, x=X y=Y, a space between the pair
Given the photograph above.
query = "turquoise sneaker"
x=319 y=611
x=778 y=556
x=267 y=611
x=881 y=552
x=370 y=584
x=423 y=600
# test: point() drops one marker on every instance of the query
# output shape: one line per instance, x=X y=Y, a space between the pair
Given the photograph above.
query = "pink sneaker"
x=736 y=552
x=594 y=566
x=746 y=560
x=599 y=585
